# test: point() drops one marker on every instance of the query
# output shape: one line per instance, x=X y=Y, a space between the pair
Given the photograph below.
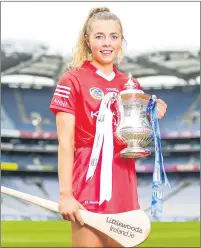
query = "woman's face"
x=105 y=41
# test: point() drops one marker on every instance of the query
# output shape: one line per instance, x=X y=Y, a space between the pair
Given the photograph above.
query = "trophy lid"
x=131 y=85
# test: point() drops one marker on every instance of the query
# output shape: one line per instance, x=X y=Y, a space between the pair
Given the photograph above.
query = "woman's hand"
x=69 y=209
x=161 y=108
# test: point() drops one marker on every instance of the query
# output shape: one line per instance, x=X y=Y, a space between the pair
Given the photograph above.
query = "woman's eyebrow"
x=115 y=33
x=104 y=34
x=99 y=33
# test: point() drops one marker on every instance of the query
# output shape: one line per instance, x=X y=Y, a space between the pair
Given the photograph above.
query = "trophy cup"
x=134 y=127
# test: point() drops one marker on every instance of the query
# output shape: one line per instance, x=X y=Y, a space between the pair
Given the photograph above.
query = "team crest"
x=96 y=93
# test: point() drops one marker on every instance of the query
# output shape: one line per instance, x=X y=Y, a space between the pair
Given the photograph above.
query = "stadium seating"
x=27 y=101
x=28 y=185
x=18 y=105
x=24 y=102
x=179 y=100
x=51 y=159
x=28 y=159
x=6 y=121
x=185 y=203
x=37 y=101
x=181 y=200
x=170 y=160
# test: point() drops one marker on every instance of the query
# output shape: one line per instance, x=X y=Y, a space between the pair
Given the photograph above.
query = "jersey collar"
x=88 y=65
x=106 y=77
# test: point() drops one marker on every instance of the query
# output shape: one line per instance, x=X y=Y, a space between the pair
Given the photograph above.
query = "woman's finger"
x=81 y=206
x=161 y=102
x=161 y=109
x=160 y=113
x=65 y=217
x=79 y=218
x=71 y=217
x=160 y=105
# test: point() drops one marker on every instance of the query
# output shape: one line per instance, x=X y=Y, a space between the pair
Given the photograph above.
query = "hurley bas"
x=125 y=226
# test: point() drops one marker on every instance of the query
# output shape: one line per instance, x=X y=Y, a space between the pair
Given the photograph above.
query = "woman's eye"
x=114 y=37
x=99 y=37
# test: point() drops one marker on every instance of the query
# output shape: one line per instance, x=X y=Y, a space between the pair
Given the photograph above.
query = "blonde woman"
x=96 y=178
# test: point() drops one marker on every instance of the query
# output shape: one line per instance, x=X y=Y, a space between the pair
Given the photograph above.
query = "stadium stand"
x=174 y=120
x=26 y=102
x=6 y=121
x=26 y=184
x=29 y=141
x=176 y=203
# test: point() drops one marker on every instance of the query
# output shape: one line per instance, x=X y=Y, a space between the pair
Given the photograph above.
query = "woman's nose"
x=107 y=42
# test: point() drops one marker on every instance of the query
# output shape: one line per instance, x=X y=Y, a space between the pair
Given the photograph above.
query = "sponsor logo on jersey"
x=90 y=202
x=95 y=114
x=59 y=102
x=112 y=89
x=62 y=91
x=96 y=93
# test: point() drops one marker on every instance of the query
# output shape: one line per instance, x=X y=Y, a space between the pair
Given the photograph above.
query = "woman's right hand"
x=69 y=209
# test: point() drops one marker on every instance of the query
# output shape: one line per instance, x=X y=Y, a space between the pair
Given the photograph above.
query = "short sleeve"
x=65 y=95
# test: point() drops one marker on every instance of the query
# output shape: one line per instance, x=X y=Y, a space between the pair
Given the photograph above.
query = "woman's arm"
x=68 y=205
x=66 y=129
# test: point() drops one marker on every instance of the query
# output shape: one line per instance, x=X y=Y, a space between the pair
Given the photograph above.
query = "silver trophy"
x=134 y=127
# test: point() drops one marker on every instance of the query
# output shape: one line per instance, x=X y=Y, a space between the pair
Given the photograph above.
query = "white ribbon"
x=103 y=138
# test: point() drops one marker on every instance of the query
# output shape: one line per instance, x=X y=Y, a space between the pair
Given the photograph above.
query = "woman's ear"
x=87 y=40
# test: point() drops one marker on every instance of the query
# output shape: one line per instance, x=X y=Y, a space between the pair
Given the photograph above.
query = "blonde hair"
x=82 y=51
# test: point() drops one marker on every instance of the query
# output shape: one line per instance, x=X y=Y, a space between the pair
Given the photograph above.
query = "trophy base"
x=135 y=152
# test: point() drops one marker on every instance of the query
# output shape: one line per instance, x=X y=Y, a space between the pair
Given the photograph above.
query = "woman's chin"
x=106 y=60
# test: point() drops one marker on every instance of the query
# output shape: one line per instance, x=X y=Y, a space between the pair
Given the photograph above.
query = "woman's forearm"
x=65 y=168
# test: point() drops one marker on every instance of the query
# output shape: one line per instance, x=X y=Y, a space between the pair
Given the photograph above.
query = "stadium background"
x=29 y=143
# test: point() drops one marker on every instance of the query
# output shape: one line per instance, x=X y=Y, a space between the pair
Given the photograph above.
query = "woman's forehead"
x=105 y=26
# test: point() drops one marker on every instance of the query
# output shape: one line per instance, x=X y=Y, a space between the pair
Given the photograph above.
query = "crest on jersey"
x=96 y=93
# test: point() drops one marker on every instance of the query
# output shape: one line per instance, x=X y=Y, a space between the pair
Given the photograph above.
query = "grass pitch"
x=57 y=234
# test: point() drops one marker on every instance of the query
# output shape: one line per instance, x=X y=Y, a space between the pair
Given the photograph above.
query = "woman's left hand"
x=161 y=108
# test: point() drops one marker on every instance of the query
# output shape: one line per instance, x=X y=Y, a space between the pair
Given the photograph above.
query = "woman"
x=76 y=104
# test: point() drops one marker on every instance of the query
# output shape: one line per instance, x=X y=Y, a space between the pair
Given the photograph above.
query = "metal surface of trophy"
x=134 y=127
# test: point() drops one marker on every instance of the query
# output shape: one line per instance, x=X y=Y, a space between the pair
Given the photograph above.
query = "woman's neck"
x=107 y=69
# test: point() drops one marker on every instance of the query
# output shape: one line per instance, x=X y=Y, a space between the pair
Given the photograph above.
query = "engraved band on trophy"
x=134 y=127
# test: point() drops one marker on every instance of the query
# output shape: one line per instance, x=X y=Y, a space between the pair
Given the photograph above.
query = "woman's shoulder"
x=74 y=73
x=70 y=74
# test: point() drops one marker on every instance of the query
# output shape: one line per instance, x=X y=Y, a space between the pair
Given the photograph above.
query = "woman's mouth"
x=106 y=52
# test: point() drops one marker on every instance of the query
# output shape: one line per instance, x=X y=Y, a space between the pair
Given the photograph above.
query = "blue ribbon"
x=156 y=203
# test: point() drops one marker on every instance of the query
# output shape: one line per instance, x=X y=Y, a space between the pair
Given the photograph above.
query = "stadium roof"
x=48 y=66
x=182 y=65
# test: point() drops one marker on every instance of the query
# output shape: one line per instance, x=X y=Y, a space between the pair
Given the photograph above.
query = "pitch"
x=57 y=234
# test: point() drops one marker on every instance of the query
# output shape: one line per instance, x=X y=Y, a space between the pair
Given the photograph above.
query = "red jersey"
x=80 y=92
